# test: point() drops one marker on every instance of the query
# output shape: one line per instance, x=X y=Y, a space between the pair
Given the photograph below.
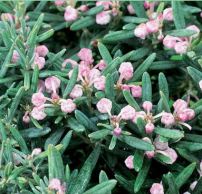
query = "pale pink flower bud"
x=36 y=152
x=7 y=17
x=52 y=84
x=127 y=113
x=86 y=55
x=149 y=128
x=83 y=8
x=190 y=113
x=136 y=91
x=56 y=185
x=38 y=61
x=59 y=2
x=104 y=105
x=147 y=106
x=101 y=65
x=167 y=119
x=200 y=84
x=168 y=14
x=194 y=28
x=150 y=154
x=38 y=99
x=76 y=91
x=68 y=106
x=93 y=75
x=15 y=57
x=103 y=18
x=105 y=4
x=146 y=4
x=129 y=162
x=55 y=96
x=84 y=70
x=42 y=50
x=126 y=70
x=169 y=41
x=157 y=188
x=99 y=83
x=71 y=14
x=41 y=86
x=141 y=31
x=38 y=113
x=117 y=131
x=26 y=118
x=180 y=105
x=181 y=47
x=152 y=26
x=130 y=9
x=193 y=185
x=125 y=87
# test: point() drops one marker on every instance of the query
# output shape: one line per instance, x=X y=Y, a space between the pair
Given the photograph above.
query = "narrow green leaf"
x=146 y=87
x=71 y=82
x=99 y=134
x=143 y=67
x=163 y=85
x=139 y=8
x=104 y=53
x=178 y=14
x=82 y=23
x=137 y=143
x=102 y=188
x=172 y=184
x=182 y=178
x=169 y=133
x=138 y=160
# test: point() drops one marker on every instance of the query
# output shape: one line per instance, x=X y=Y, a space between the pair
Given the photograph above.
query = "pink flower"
x=84 y=70
x=68 y=106
x=104 y=105
x=147 y=106
x=150 y=154
x=200 y=84
x=126 y=70
x=169 y=41
x=15 y=57
x=52 y=84
x=105 y=4
x=147 y=4
x=168 y=14
x=127 y=113
x=157 y=188
x=152 y=26
x=7 y=17
x=86 y=55
x=167 y=119
x=42 y=50
x=26 y=117
x=125 y=87
x=194 y=28
x=141 y=31
x=38 y=99
x=38 y=61
x=71 y=14
x=186 y=114
x=36 y=152
x=99 y=83
x=93 y=75
x=180 y=105
x=55 y=184
x=130 y=9
x=117 y=131
x=59 y=2
x=76 y=92
x=101 y=65
x=83 y=8
x=149 y=128
x=41 y=86
x=136 y=91
x=38 y=113
x=181 y=47
x=129 y=162
x=103 y=18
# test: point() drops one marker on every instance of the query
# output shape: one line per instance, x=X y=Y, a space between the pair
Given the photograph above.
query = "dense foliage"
x=100 y=97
